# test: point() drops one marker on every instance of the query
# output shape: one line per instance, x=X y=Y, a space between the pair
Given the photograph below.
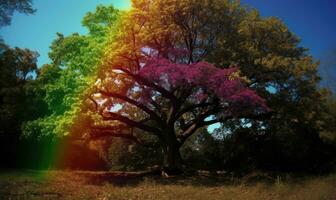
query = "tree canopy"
x=169 y=68
x=75 y=59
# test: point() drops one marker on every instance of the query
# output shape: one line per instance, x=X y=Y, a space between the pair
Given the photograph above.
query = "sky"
x=314 y=21
x=37 y=31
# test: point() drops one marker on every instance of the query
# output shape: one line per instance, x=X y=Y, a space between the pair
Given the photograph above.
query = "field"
x=27 y=184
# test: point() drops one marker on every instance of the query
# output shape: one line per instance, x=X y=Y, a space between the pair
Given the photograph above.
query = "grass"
x=28 y=184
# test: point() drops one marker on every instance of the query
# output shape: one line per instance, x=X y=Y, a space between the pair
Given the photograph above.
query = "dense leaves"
x=75 y=59
x=202 y=77
x=17 y=69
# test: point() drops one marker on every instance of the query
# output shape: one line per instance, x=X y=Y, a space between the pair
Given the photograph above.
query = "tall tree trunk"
x=172 y=161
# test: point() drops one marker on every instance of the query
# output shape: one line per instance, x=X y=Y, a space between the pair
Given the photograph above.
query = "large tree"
x=225 y=34
x=154 y=80
x=172 y=101
x=150 y=57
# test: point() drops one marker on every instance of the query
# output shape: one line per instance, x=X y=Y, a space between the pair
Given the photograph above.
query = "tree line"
x=142 y=87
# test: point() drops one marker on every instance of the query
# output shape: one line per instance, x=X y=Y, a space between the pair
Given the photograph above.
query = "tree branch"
x=95 y=103
x=144 y=81
x=192 y=128
x=139 y=105
x=98 y=132
x=192 y=107
x=132 y=123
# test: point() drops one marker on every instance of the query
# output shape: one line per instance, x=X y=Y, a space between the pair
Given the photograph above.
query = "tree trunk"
x=172 y=161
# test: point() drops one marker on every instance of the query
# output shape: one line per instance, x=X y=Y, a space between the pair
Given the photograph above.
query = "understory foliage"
x=20 y=101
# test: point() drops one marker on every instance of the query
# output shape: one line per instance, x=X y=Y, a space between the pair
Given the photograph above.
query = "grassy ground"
x=69 y=185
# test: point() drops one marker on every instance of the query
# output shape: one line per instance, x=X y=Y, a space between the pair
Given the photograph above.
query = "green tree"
x=76 y=58
x=63 y=83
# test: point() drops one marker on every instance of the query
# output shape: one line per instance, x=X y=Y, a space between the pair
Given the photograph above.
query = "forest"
x=173 y=88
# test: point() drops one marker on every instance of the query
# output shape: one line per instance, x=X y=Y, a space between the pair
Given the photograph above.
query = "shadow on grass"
x=133 y=179
x=120 y=181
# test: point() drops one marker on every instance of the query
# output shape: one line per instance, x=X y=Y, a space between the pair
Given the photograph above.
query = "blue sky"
x=314 y=21
x=37 y=31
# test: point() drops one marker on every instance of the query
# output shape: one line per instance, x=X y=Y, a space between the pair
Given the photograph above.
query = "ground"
x=28 y=184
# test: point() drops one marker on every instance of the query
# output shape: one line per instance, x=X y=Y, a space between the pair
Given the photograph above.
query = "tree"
x=7 y=8
x=148 y=50
x=17 y=99
x=166 y=93
x=63 y=82
x=328 y=119
x=17 y=68
x=226 y=34
x=162 y=86
x=75 y=59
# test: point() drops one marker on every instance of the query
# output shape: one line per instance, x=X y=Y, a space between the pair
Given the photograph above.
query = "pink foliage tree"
x=172 y=101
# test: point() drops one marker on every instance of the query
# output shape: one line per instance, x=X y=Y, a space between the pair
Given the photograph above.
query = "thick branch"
x=192 y=128
x=144 y=81
x=203 y=116
x=192 y=107
x=141 y=106
x=132 y=123
x=95 y=103
x=196 y=124
x=97 y=133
